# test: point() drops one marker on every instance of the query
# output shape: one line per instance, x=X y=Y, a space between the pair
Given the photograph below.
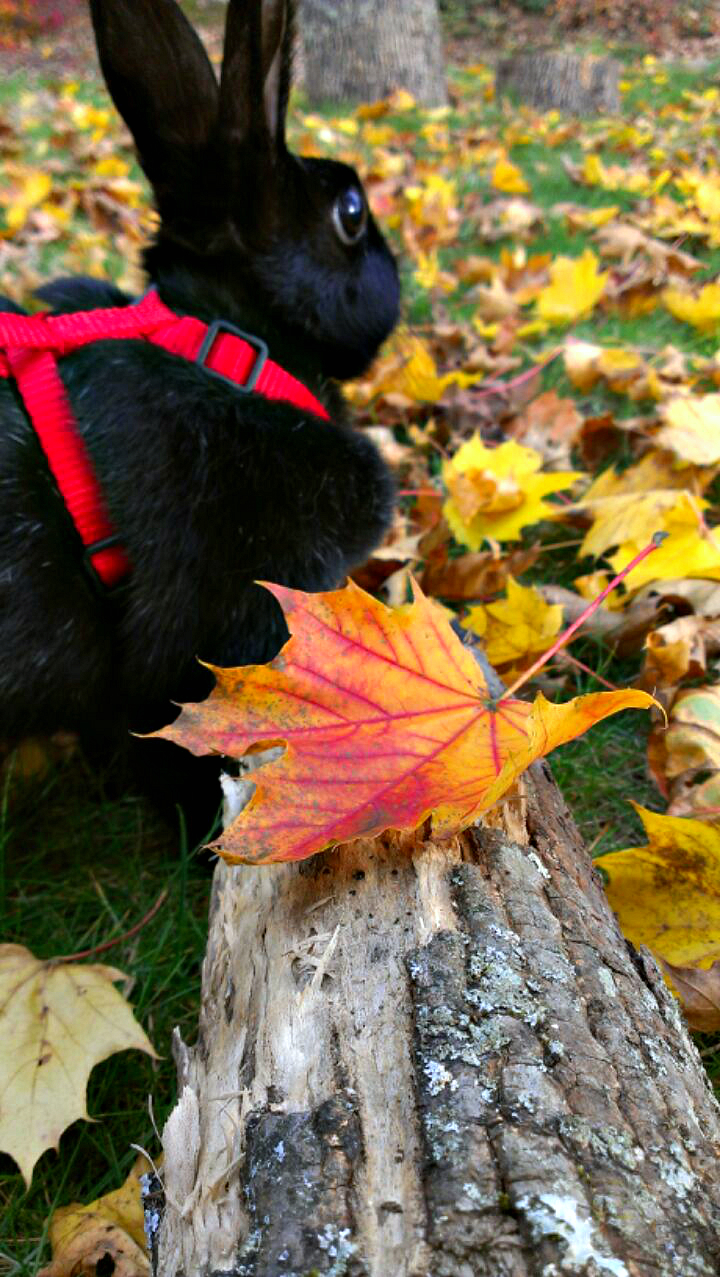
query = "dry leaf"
x=56 y=1022
x=496 y=492
x=699 y=992
x=516 y=629
x=108 y=1235
x=667 y=894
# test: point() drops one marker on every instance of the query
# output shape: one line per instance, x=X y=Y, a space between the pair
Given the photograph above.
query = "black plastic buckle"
x=99 y=586
x=262 y=353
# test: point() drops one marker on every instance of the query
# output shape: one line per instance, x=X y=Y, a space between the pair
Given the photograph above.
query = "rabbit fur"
x=210 y=489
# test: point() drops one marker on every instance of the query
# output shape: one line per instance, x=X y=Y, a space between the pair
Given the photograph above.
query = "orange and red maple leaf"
x=385 y=718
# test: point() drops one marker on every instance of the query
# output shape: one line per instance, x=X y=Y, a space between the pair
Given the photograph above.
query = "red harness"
x=32 y=345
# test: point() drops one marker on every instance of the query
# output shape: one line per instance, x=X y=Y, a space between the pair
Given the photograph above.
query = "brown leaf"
x=699 y=992
x=474 y=576
x=551 y=426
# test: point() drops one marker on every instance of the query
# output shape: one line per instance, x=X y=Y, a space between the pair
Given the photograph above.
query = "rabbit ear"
x=255 y=80
x=159 y=77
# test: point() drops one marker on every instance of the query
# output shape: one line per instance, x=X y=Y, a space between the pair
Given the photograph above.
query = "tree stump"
x=425 y=1059
x=574 y=83
x=361 y=52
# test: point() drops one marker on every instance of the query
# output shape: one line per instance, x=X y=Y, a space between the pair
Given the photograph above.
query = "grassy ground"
x=78 y=867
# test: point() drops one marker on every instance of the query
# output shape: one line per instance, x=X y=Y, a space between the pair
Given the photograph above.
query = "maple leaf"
x=667 y=894
x=550 y=425
x=679 y=650
x=386 y=719
x=575 y=287
x=34 y=188
x=656 y=471
x=699 y=992
x=109 y=1231
x=702 y=311
x=496 y=492
x=627 y=520
x=470 y=576
x=507 y=177
x=689 y=548
x=408 y=369
x=629 y=516
x=61 y=1020
x=692 y=429
x=691 y=742
x=516 y=628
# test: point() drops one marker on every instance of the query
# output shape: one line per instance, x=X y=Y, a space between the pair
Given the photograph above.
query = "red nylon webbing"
x=31 y=345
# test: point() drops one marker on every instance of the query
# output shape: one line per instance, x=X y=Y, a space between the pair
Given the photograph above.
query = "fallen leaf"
x=700 y=800
x=507 y=177
x=551 y=426
x=679 y=650
x=702 y=311
x=690 y=744
x=386 y=719
x=692 y=428
x=474 y=576
x=514 y=630
x=57 y=1021
x=702 y=597
x=496 y=492
x=575 y=287
x=699 y=992
x=108 y=1235
x=667 y=894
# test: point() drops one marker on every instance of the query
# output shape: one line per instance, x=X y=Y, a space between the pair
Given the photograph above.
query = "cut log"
x=578 y=84
x=424 y=1059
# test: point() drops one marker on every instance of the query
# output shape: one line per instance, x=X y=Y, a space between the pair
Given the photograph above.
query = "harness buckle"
x=262 y=353
x=100 y=587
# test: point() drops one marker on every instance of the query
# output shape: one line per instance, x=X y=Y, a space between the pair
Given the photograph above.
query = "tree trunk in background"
x=422 y=1059
x=359 y=52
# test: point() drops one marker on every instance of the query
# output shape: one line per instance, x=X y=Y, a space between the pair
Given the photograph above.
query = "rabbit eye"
x=350 y=215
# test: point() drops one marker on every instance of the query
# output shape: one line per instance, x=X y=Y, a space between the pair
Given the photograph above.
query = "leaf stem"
x=564 y=638
x=108 y=944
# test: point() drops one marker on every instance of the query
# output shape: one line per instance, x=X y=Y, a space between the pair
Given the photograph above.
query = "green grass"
x=78 y=870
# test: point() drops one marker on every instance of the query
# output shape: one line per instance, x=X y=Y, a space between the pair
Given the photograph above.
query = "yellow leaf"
x=507 y=177
x=515 y=629
x=633 y=516
x=111 y=166
x=409 y=369
x=56 y=1022
x=692 y=429
x=593 y=583
x=109 y=1232
x=35 y=188
x=575 y=287
x=429 y=274
x=496 y=492
x=690 y=550
x=589 y=219
x=616 y=360
x=656 y=470
x=703 y=311
x=667 y=894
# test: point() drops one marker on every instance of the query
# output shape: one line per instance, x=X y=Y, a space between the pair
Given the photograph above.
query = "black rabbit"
x=210 y=489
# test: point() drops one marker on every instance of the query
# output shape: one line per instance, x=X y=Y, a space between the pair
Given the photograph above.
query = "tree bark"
x=577 y=84
x=361 y=52
x=424 y=1059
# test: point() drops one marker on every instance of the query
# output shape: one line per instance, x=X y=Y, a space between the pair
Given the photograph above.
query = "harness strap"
x=29 y=347
x=47 y=403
